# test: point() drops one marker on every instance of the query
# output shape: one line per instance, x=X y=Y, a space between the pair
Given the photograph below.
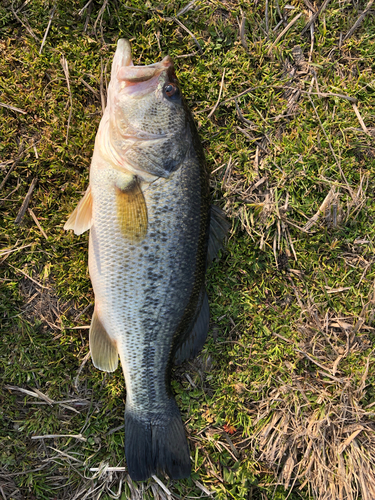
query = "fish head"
x=148 y=123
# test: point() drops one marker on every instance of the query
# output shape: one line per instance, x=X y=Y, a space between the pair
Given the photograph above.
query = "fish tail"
x=156 y=445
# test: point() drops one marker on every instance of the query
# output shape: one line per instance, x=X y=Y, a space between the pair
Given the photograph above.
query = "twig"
x=84 y=8
x=36 y=393
x=37 y=223
x=310 y=6
x=291 y=243
x=359 y=20
x=89 y=87
x=108 y=469
x=87 y=18
x=26 y=201
x=9 y=172
x=192 y=54
x=231 y=445
x=29 y=277
x=100 y=15
x=102 y=96
x=227 y=173
x=312 y=360
x=242 y=118
x=203 y=488
x=64 y=64
x=283 y=338
x=326 y=202
x=315 y=16
x=7 y=252
x=188 y=31
x=83 y=327
x=25 y=25
x=190 y=380
x=21 y=389
x=337 y=290
x=242 y=33
x=218 y=99
x=115 y=429
x=218 y=168
x=325 y=374
x=48 y=27
x=82 y=312
x=53 y=436
x=13 y=108
x=84 y=361
x=325 y=94
x=243 y=93
x=312 y=37
x=252 y=139
x=185 y=9
x=63 y=454
x=287 y=28
x=364 y=128
x=162 y=486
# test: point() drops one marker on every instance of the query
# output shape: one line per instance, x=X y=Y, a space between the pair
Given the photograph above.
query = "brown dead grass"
x=329 y=445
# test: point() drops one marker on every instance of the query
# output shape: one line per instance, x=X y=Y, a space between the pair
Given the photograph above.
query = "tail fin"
x=156 y=445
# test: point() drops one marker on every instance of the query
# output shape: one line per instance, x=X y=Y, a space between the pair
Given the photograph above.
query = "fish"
x=152 y=232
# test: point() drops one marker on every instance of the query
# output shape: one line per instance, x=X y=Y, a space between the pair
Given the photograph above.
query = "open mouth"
x=144 y=78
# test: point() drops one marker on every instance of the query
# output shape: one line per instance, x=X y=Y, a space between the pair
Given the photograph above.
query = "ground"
x=280 y=402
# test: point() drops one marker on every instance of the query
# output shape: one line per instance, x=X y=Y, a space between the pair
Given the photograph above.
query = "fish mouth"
x=138 y=79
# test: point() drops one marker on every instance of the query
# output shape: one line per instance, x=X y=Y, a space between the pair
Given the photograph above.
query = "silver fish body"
x=148 y=211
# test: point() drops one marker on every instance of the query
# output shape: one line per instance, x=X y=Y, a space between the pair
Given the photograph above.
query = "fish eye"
x=171 y=91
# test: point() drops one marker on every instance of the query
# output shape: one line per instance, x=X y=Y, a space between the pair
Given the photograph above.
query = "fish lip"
x=135 y=74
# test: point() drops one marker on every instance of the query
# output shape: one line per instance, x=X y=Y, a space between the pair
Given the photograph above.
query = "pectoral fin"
x=103 y=349
x=80 y=219
x=132 y=211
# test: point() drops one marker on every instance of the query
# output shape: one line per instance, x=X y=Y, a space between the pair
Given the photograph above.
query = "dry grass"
x=318 y=429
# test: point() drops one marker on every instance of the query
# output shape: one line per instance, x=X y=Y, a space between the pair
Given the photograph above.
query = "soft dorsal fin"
x=132 y=211
x=103 y=349
x=81 y=217
x=219 y=228
x=193 y=342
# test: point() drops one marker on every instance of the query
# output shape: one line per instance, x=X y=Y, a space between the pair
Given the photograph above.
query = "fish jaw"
x=143 y=130
x=122 y=57
x=136 y=81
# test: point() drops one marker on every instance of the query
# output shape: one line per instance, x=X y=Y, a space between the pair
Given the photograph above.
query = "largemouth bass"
x=148 y=211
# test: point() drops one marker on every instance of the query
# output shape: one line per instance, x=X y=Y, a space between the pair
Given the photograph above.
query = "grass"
x=279 y=404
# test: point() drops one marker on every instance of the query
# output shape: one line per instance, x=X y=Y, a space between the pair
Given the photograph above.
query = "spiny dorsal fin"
x=103 y=349
x=219 y=228
x=132 y=211
x=80 y=219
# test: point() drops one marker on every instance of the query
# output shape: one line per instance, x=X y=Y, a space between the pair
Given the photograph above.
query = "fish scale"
x=156 y=271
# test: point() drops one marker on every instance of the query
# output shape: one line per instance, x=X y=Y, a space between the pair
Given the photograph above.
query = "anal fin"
x=103 y=349
x=80 y=218
x=193 y=342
